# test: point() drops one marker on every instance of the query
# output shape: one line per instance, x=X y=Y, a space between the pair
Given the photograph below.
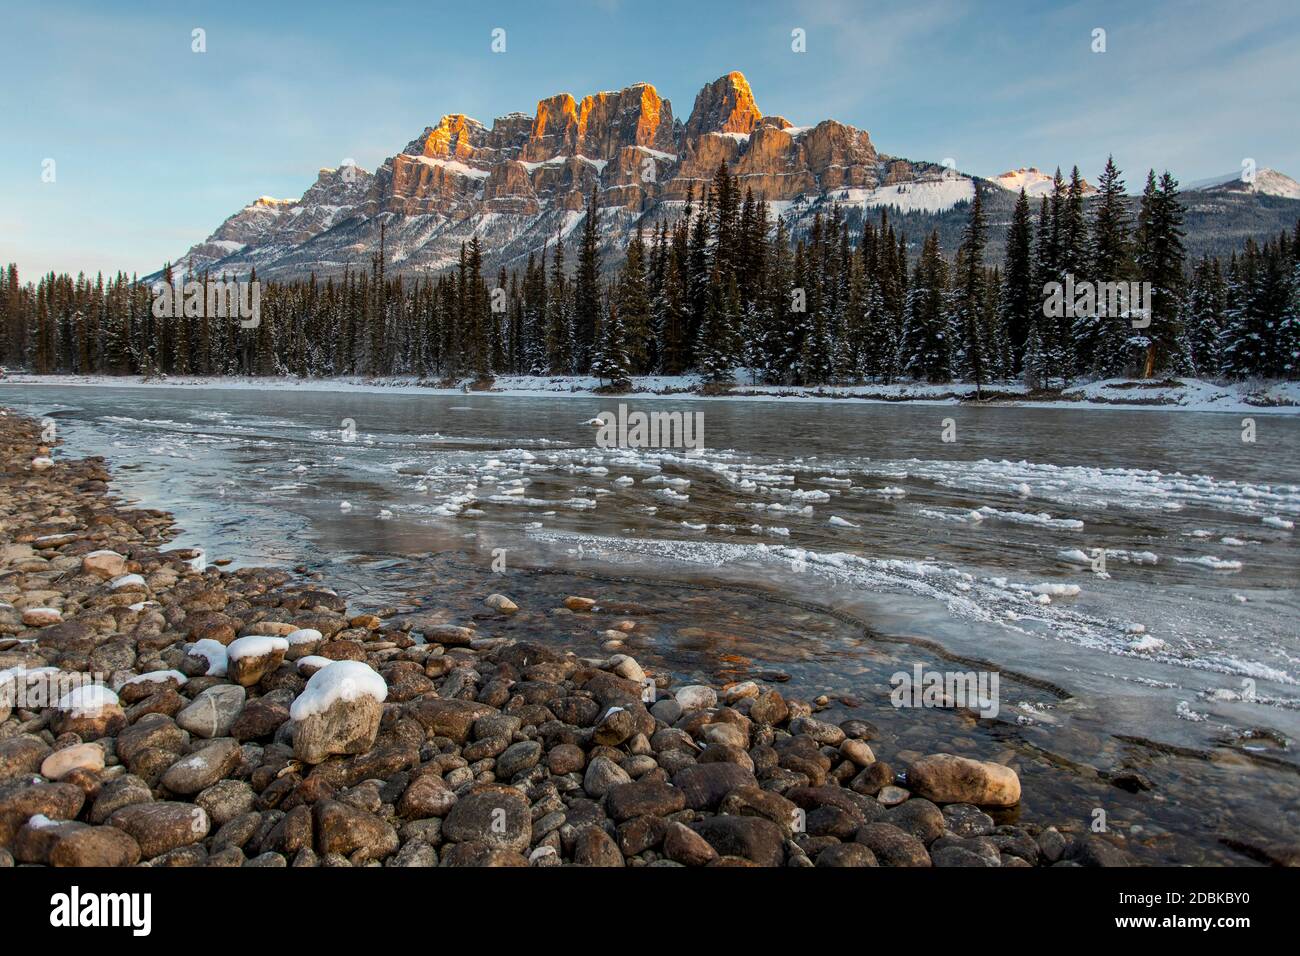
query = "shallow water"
x=831 y=543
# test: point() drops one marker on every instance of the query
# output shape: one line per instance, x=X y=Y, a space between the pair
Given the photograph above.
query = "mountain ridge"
x=524 y=181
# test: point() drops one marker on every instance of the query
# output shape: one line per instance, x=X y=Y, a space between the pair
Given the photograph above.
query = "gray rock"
x=753 y=838
x=892 y=846
x=966 y=820
x=496 y=816
x=213 y=711
x=517 y=758
x=226 y=799
x=847 y=854
x=162 y=826
x=202 y=768
x=345 y=727
x=706 y=784
x=602 y=775
x=919 y=817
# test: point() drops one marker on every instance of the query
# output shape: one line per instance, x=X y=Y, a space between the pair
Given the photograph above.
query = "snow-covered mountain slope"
x=1266 y=182
x=1033 y=181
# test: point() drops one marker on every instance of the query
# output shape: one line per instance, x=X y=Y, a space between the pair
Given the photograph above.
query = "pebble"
x=213 y=711
x=80 y=757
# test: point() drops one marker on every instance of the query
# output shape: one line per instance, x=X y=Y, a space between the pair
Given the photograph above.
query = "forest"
x=725 y=290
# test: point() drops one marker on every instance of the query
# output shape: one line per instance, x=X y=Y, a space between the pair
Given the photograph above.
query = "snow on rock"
x=338 y=711
x=214 y=652
x=304 y=635
x=309 y=665
x=341 y=680
x=88 y=700
x=1146 y=644
x=253 y=657
x=256 y=645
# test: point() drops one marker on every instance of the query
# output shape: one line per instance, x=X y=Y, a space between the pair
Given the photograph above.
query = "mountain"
x=1033 y=181
x=524 y=181
x=1267 y=182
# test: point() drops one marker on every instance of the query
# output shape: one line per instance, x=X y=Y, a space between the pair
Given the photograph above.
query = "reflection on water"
x=1130 y=574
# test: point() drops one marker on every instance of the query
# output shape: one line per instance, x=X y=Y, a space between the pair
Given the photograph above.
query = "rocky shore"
x=156 y=710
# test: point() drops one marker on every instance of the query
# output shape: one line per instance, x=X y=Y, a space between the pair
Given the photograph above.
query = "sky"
x=153 y=144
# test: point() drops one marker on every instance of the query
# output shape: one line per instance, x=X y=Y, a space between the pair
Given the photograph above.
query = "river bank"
x=1186 y=394
x=256 y=717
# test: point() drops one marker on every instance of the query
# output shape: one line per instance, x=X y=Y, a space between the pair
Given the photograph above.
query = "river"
x=1130 y=575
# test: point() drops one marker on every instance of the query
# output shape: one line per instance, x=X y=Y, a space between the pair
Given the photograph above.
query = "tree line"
x=725 y=287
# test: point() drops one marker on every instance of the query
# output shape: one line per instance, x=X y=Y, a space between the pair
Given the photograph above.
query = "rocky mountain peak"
x=724 y=106
x=527 y=179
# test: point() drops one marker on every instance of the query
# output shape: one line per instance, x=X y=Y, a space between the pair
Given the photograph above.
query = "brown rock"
x=946 y=778
x=162 y=826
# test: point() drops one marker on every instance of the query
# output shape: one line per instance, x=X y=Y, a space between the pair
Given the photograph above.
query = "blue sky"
x=155 y=145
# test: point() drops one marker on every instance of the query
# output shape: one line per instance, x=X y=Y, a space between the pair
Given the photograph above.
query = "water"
x=830 y=543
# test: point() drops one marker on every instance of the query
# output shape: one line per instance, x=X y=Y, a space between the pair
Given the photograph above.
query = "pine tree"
x=1159 y=257
x=927 y=342
x=633 y=301
x=559 y=323
x=1100 y=339
x=609 y=360
x=970 y=299
x=1205 y=318
x=1021 y=303
x=717 y=338
x=586 y=285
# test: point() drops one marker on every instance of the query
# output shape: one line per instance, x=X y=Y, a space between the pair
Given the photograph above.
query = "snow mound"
x=255 y=645
x=341 y=680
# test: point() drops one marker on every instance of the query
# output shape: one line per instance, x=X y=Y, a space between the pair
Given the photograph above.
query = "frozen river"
x=1131 y=575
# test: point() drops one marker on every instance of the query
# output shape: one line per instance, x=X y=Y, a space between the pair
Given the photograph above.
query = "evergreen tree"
x=633 y=307
x=927 y=343
x=586 y=285
x=559 y=323
x=971 y=295
x=1159 y=254
x=1021 y=303
x=1100 y=339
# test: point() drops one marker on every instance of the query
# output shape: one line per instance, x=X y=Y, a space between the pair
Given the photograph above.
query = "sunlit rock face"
x=526 y=179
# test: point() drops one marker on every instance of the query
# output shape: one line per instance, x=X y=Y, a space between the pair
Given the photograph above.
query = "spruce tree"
x=559 y=327
x=586 y=285
x=1159 y=255
x=970 y=297
x=1101 y=339
x=609 y=359
x=633 y=307
x=1021 y=302
x=926 y=344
